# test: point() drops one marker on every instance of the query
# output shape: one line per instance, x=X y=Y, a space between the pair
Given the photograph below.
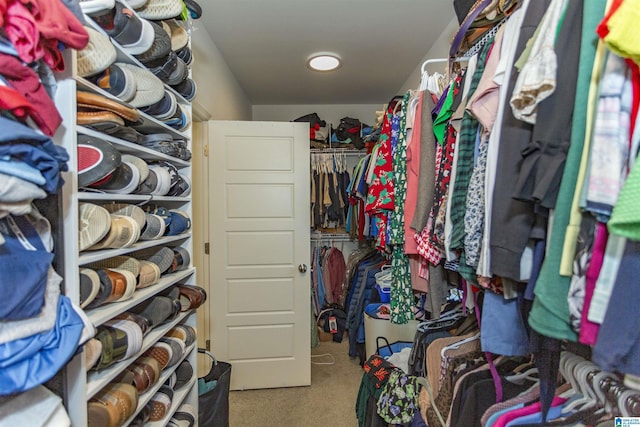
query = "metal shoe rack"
x=80 y=385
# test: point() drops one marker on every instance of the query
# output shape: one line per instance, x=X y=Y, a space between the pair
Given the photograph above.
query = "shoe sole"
x=149 y=88
x=126 y=209
x=132 y=184
x=95 y=223
x=96 y=160
x=131 y=283
x=179 y=36
x=95 y=282
x=158 y=10
x=164 y=181
x=162 y=257
x=149 y=274
x=118 y=262
x=148 y=234
x=97 y=55
x=118 y=237
x=129 y=90
x=140 y=164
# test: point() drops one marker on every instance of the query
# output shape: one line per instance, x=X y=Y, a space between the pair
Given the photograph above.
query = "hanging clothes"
x=328 y=191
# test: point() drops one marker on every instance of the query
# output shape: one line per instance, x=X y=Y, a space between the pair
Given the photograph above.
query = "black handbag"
x=213 y=404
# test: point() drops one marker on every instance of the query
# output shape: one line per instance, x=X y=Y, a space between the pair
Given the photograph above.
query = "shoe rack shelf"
x=178 y=398
x=96 y=380
x=147 y=120
x=122 y=56
x=133 y=198
x=93 y=256
x=80 y=385
x=144 y=398
x=134 y=149
x=101 y=314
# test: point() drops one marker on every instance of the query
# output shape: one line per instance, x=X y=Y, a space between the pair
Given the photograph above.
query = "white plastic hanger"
x=589 y=398
x=457 y=344
x=424 y=80
x=523 y=376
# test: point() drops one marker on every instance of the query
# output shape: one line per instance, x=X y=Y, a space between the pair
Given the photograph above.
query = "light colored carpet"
x=329 y=401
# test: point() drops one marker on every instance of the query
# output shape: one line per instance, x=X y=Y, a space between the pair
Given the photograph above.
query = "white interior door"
x=259 y=236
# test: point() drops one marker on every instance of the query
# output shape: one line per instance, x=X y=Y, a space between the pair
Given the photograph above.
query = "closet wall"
x=331 y=113
x=440 y=49
x=218 y=90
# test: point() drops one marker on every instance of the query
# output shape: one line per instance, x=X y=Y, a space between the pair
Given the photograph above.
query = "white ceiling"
x=266 y=44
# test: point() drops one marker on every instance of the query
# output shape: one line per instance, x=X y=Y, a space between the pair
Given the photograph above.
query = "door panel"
x=254 y=248
x=267 y=295
x=246 y=153
x=276 y=340
x=259 y=234
x=260 y=201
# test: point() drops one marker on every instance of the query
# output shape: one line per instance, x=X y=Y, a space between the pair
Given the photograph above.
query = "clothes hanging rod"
x=433 y=61
x=340 y=237
x=477 y=46
x=439 y=60
x=338 y=150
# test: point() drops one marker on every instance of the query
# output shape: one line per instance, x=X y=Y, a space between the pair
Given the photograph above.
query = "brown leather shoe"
x=119 y=285
x=191 y=297
x=160 y=403
x=162 y=352
x=145 y=373
x=112 y=406
x=93 y=102
x=102 y=121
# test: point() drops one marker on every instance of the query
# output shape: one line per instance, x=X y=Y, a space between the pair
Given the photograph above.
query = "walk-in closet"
x=286 y=213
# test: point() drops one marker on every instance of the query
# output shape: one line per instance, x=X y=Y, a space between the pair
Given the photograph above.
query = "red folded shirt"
x=27 y=83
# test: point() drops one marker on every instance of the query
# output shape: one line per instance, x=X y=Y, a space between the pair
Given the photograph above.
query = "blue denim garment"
x=24 y=267
x=28 y=362
x=617 y=348
x=502 y=329
x=37 y=150
x=21 y=170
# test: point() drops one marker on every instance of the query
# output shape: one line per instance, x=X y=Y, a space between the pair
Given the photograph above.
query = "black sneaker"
x=159 y=49
x=187 y=89
x=118 y=81
x=185 y=54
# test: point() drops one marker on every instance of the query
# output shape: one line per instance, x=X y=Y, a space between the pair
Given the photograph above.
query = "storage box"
x=374 y=328
x=385 y=293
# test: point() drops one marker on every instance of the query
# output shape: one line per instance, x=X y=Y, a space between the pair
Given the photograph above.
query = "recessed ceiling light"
x=323 y=62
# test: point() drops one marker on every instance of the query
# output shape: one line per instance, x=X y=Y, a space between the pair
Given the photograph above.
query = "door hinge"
x=206 y=248
x=206 y=150
x=207 y=345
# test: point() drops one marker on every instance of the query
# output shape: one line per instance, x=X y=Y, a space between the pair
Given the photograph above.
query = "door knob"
x=302 y=268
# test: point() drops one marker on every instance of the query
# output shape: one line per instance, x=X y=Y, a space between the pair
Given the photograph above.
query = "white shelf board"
x=133 y=148
x=147 y=120
x=92 y=256
x=101 y=314
x=148 y=198
x=96 y=380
